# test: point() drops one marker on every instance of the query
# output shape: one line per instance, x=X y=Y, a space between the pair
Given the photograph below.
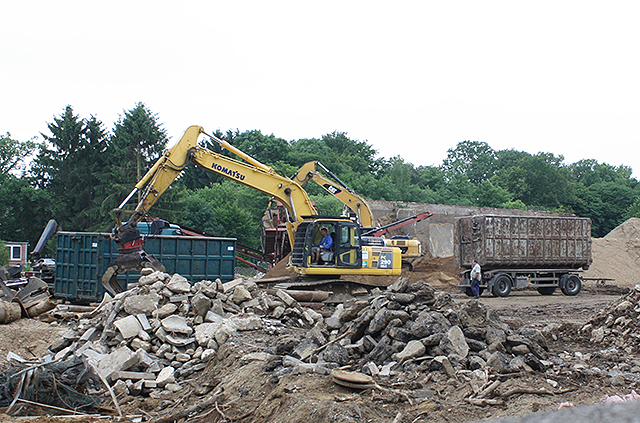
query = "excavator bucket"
x=131 y=257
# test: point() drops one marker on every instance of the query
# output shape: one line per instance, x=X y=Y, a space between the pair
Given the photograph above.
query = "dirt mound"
x=617 y=255
x=280 y=269
x=436 y=264
x=28 y=338
x=439 y=272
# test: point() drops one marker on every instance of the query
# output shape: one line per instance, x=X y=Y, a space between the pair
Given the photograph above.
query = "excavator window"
x=349 y=250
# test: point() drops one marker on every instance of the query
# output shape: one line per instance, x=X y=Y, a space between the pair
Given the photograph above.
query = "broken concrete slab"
x=176 y=324
x=119 y=359
x=128 y=326
x=179 y=284
x=141 y=304
x=166 y=375
x=126 y=375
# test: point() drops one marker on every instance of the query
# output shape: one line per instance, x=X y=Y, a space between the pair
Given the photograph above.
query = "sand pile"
x=617 y=255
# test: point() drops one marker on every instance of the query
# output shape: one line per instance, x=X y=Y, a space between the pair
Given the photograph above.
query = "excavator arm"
x=308 y=172
x=253 y=174
x=168 y=168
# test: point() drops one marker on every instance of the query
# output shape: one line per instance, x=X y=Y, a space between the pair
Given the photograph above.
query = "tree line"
x=80 y=171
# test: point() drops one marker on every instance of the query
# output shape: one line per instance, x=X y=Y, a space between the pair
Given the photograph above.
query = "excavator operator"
x=325 y=245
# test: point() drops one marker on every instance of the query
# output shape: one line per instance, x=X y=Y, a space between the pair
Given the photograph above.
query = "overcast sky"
x=411 y=78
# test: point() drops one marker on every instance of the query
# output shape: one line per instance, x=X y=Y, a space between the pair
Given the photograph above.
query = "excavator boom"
x=169 y=167
x=383 y=230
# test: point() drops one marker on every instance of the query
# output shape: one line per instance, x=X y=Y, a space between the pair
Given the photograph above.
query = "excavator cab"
x=351 y=252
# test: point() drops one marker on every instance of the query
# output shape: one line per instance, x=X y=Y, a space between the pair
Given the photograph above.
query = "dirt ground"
x=248 y=393
x=29 y=338
x=244 y=389
x=238 y=386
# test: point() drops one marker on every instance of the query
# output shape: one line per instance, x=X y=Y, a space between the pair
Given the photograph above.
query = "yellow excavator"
x=355 y=206
x=351 y=252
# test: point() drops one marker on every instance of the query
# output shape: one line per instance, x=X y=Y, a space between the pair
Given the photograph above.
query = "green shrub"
x=4 y=254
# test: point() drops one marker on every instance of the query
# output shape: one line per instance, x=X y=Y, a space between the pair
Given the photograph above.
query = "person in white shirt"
x=476 y=276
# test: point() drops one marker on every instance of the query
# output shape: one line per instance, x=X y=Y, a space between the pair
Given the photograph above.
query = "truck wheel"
x=572 y=286
x=547 y=290
x=502 y=286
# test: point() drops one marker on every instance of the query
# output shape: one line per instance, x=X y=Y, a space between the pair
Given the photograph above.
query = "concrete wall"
x=436 y=232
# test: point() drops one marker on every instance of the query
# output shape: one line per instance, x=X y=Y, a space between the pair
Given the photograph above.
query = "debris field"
x=167 y=350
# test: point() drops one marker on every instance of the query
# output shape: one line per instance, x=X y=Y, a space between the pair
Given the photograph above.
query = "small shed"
x=17 y=252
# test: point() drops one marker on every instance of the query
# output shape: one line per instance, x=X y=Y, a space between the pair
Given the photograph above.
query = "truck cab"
x=351 y=252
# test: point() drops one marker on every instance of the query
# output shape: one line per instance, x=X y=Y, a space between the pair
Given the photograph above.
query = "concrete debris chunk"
x=414 y=348
x=246 y=322
x=206 y=331
x=200 y=304
x=166 y=375
x=128 y=326
x=240 y=294
x=179 y=284
x=141 y=304
x=119 y=359
x=176 y=324
x=454 y=342
x=165 y=311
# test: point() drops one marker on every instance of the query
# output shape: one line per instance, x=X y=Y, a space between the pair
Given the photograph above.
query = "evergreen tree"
x=138 y=141
x=68 y=165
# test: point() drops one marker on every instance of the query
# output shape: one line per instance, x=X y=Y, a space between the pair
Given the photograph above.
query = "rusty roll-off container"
x=522 y=241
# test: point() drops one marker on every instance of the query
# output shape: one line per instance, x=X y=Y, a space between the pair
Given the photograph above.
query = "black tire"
x=502 y=286
x=547 y=290
x=572 y=286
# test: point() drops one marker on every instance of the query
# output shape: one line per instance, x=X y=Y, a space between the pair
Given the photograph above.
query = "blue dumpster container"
x=83 y=257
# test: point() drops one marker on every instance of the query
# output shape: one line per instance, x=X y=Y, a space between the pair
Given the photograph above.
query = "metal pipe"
x=126 y=200
x=287 y=191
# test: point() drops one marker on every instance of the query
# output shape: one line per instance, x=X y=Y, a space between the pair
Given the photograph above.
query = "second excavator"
x=356 y=207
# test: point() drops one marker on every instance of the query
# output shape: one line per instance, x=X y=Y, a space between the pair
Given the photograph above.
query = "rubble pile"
x=617 y=325
x=164 y=329
x=414 y=327
x=407 y=339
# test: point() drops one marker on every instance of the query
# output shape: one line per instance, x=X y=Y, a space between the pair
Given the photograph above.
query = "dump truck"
x=543 y=252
